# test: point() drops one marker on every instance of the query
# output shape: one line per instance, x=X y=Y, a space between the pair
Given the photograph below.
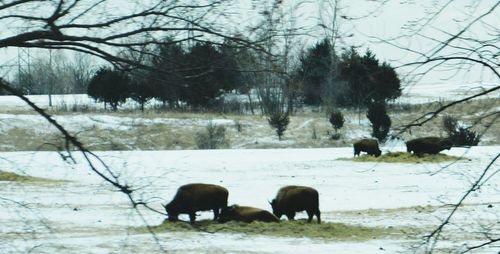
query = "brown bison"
x=194 y=197
x=430 y=145
x=370 y=146
x=291 y=199
x=246 y=214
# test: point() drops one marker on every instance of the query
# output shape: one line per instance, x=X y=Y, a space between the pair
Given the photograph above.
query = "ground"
x=368 y=206
x=399 y=202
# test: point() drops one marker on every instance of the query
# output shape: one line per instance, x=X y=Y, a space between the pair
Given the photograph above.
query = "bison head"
x=172 y=212
x=227 y=213
x=276 y=211
x=377 y=153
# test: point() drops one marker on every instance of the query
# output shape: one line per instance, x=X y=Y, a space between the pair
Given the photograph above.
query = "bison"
x=430 y=145
x=246 y=214
x=370 y=146
x=194 y=197
x=291 y=199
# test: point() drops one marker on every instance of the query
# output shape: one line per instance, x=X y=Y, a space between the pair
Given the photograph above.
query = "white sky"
x=392 y=19
x=380 y=21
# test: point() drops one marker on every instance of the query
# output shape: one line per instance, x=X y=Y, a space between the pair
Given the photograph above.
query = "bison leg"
x=290 y=216
x=192 y=217
x=318 y=216
x=310 y=215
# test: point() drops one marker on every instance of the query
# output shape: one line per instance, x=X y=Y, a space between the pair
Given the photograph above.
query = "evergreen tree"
x=354 y=74
x=279 y=121
x=381 y=122
x=208 y=75
x=368 y=81
x=337 y=121
x=387 y=85
x=167 y=79
x=313 y=71
x=141 y=92
x=109 y=86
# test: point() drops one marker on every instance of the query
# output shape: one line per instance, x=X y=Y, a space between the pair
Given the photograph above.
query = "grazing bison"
x=246 y=214
x=369 y=146
x=430 y=145
x=194 y=197
x=291 y=199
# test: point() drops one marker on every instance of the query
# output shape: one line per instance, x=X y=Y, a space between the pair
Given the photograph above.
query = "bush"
x=238 y=126
x=460 y=135
x=381 y=122
x=213 y=137
x=109 y=86
x=279 y=121
x=314 y=132
x=337 y=121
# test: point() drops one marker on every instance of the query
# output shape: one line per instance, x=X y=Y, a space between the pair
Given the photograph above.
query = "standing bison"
x=291 y=199
x=430 y=145
x=246 y=214
x=370 y=146
x=194 y=197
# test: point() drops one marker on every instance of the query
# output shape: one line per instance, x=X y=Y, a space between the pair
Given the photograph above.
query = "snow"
x=69 y=214
x=434 y=92
x=81 y=122
x=88 y=215
x=411 y=94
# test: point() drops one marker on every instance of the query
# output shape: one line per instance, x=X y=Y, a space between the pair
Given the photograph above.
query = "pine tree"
x=109 y=86
x=381 y=122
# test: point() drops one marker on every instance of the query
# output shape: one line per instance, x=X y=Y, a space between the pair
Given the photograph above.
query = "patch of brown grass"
x=403 y=157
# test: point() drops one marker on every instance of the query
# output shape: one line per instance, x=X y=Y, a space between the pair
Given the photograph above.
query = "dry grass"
x=13 y=177
x=307 y=129
x=470 y=113
x=299 y=228
x=402 y=157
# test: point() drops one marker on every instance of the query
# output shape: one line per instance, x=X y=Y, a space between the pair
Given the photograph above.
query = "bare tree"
x=471 y=49
x=99 y=29
x=80 y=70
x=279 y=32
x=86 y=26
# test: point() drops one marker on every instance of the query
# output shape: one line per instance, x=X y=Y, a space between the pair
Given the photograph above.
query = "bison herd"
x=419 y=146
x=289 y=200
x=194 y=197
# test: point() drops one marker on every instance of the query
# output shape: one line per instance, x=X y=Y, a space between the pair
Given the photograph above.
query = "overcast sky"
x=369 y=21
x=396 y=18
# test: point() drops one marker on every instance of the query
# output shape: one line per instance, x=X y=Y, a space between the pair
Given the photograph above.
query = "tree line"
x=197 y=77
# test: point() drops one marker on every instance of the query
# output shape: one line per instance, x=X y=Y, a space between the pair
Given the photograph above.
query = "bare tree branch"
x=431 y=115
x=434 y=236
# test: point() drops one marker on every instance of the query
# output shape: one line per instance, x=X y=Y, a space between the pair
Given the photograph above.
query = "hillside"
x=157 y=129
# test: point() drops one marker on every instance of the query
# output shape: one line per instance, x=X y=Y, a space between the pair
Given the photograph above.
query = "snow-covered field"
x=426 y=93
x=416 y=94
x=83 y=214
x=86 y=215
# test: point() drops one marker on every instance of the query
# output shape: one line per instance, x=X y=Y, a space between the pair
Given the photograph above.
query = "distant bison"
x=195 y=197
x=246 y=214
x=291 y=199
x=430 y=145
x=369 y=146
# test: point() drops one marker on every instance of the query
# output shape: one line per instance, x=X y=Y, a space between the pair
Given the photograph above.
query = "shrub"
x=337 y=121
x=460 y=135
x=381 y=122
x=450 y=124
x=213 y=137
x=279 y=121
x=109 y=86
x=314 y=132
x=238 y=126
